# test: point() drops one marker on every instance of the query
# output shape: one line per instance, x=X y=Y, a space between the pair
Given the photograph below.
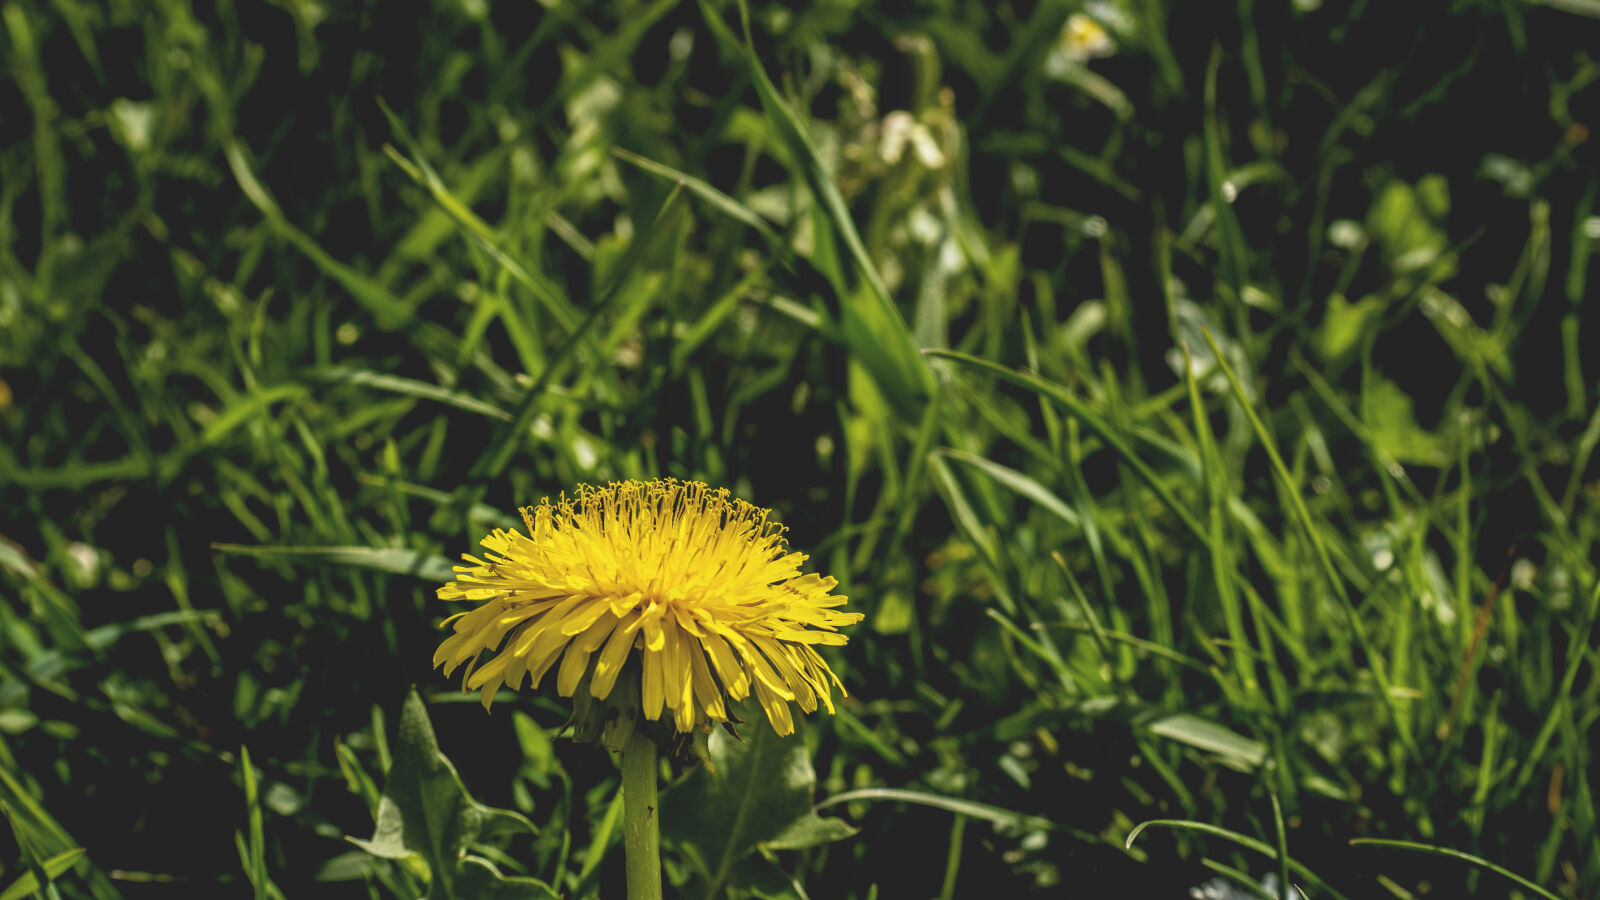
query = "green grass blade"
x=1283 y=846
x=881 y=315
x=1245 y=841
x=1454 y=854
x=393 y=560
x=1017 y=483
x=508 y=439
x=387 y=309
x=1302 y=514
x=700 y=188
x=409 y=387
x=1240 y=879
x=1236 y=749
x=54 y=867
x=1090 y=420
x=1575 y=659
x=994 y=814
x=256 y=842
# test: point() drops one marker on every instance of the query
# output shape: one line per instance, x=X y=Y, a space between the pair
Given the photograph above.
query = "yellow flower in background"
x=702 y=586
x=1083 y=38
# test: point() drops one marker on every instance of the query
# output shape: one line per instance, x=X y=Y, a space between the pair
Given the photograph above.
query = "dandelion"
x=672 y=589
x=1083 y=38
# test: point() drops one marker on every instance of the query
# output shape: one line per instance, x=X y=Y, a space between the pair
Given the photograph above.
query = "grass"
x=1207 y=429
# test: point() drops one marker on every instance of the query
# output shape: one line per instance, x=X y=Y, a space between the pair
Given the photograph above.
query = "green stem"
x=640 y=828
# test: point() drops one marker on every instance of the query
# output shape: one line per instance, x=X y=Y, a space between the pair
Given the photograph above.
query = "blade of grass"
x=1302 y=514
x=1245 y=841
x=884 y=319
x=409 y=387
x=972 y=527
x=1283 y=846
x=256 y=858
x=1017 y=482
x=1091 y=420
x=1454 y=854
x=390 y=313
x=1241 y=879
x=599 y=846
x=1234 y=253
x=546 y=292
x=1004 y=818
x=1222 y=564
x=44 y=883
x=1100 y=641
x=1045 y=654
x=952 y=864
x=54 y=867
x=393 y=560
x=1139 y=643
x=494 y=460
x=1575 y=659
x=731 y=207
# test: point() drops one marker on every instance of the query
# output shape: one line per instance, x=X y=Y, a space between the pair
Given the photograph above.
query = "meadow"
x=1198 y=400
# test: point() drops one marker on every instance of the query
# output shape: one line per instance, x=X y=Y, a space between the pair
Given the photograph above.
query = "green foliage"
x=426 y=810
x=53 y=867
x=1199 y=401
x=755 y=794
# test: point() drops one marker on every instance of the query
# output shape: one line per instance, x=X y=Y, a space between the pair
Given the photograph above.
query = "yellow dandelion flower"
x=1082 y=38
x=703 y=586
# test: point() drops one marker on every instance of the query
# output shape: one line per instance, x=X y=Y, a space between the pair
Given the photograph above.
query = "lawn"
x=1198 y=401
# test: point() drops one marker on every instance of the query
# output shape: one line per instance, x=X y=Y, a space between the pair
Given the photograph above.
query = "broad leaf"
x=425 y=809
x=759 y=796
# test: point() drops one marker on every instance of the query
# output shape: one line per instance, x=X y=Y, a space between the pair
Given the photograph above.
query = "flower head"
x=1083 y=38
x=702 y=586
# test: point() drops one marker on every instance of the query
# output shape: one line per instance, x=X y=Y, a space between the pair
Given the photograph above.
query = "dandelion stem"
x=642 y=831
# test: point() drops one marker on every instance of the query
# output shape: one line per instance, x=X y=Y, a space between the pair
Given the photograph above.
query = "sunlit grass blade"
x=1282 y=834
x=387 y=309
x=1240 y=879
x=498 y=455
x=1233 y=748
x=1245 y=841
x=253 y=845
x=43 y=881
x=426 y=566
x=409 y=387
x=1575 y=658
x=1046 y=654
x=883 y=319
x=998 y=816
x=419 y=171
x=973 y=527
x=1017 y=482
x=705 y=191
x=1454 y=854
x=1217 y=497
x=54 y=867
x=1090 y=420
x=1235 y=257
x=1302 y=514
x=600 y=845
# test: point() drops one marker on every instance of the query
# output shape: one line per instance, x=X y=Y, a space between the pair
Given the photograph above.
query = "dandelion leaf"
x=425 y=809
x=760 y=797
